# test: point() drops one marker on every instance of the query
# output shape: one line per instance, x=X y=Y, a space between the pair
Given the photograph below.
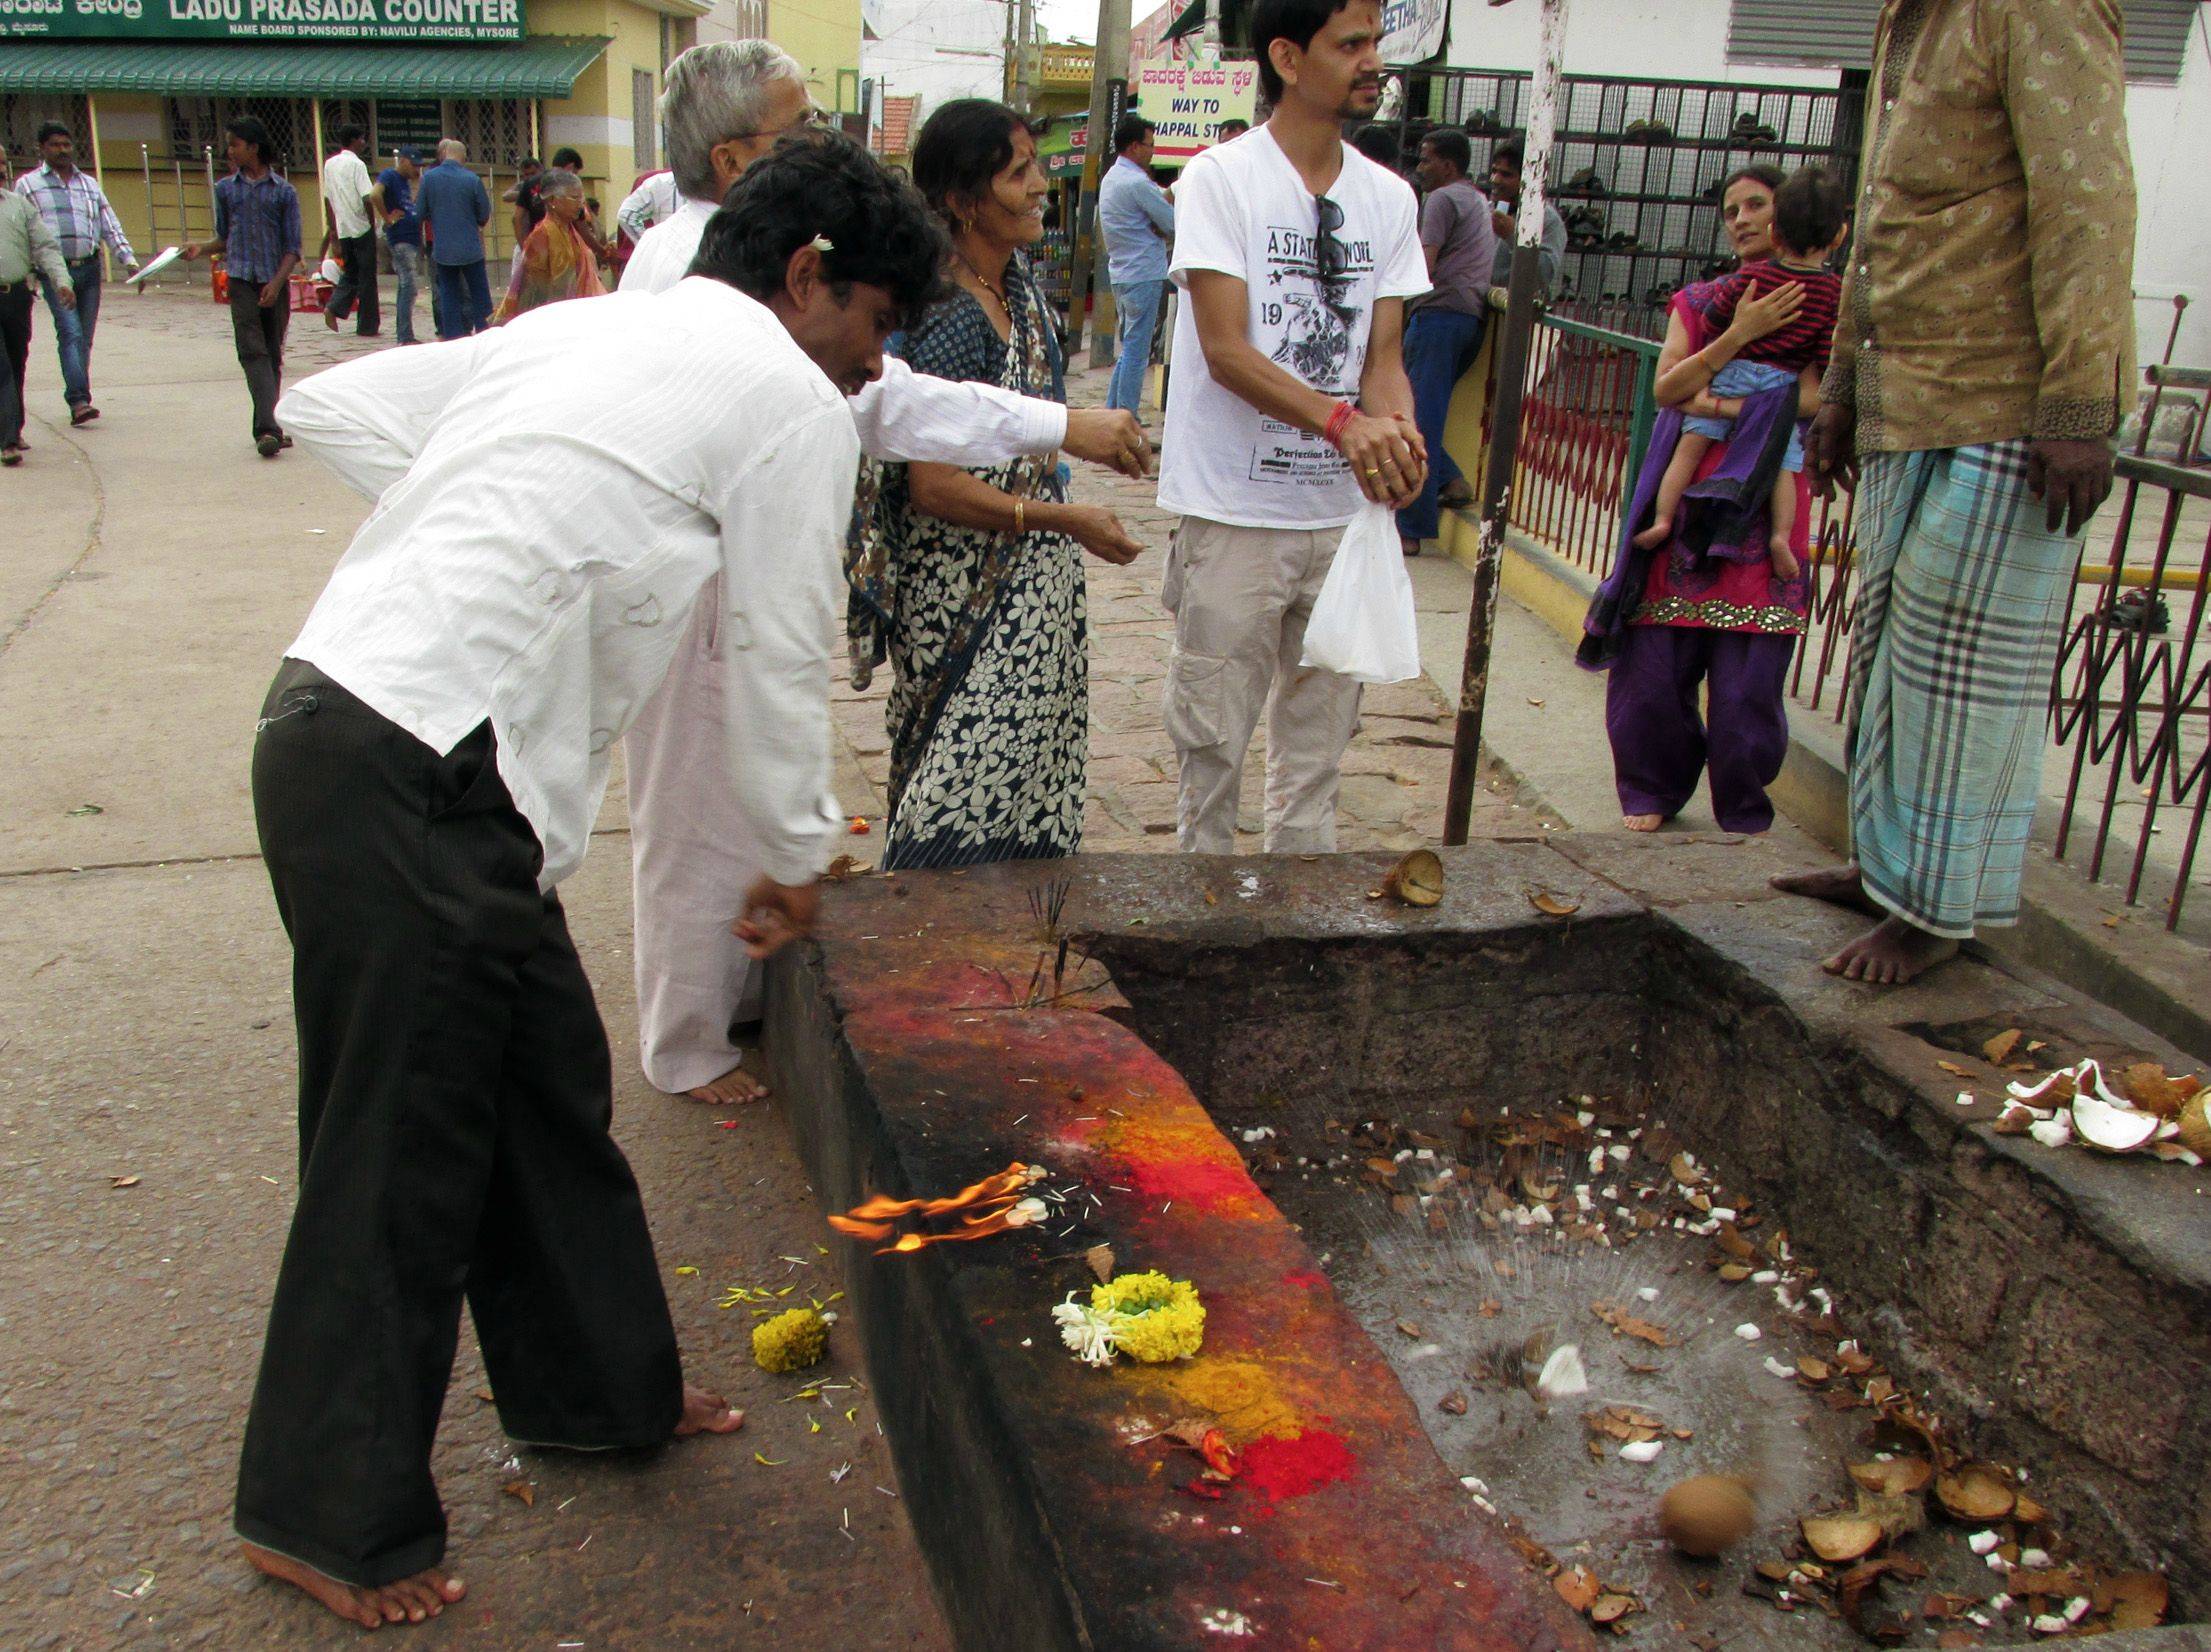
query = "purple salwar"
x=1660 y=741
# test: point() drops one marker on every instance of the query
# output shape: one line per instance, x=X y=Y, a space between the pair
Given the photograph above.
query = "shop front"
x=147 y=85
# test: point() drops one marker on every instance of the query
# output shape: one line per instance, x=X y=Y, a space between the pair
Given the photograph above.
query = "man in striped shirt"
x=77 y=211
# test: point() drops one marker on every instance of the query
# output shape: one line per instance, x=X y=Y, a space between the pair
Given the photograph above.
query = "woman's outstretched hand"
x=1098 y=531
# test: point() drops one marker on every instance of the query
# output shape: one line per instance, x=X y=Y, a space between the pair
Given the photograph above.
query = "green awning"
x=543 y=66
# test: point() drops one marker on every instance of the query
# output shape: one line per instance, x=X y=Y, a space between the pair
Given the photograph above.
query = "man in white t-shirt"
x=1298 y=254
x=349 y=229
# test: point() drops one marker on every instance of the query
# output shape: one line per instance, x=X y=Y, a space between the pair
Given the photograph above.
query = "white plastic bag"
x=1363 y=624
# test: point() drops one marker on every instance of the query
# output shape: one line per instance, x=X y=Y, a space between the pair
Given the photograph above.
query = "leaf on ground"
x=521 y=1491
x=1100 y=1258
x=1998 y=1049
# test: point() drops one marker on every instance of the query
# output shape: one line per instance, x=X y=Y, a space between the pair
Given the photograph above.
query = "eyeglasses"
x=1331 y=260
x=814 y=117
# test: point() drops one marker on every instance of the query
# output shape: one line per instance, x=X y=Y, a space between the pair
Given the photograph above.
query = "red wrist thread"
x=1332 y=431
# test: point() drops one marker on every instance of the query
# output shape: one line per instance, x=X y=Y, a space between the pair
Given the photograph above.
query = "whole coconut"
x=1707 y=1515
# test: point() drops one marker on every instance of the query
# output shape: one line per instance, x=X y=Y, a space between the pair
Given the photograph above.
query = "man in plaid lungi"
x=1982 y=363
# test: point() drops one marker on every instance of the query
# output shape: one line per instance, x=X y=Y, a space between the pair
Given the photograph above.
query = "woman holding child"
x=1710 y=586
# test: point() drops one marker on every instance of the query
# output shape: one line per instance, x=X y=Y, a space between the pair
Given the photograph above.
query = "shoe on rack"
x=1585 y=183
x=1483 y=123
x=1715 y=191
x=1660 y=295
x=2141 y=609
x=1624 y=239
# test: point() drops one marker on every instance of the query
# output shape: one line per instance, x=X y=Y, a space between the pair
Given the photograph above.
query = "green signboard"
x=362 y=21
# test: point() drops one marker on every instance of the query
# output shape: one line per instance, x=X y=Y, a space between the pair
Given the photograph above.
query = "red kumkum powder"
x=1280 y=1466
x=1196 y=1182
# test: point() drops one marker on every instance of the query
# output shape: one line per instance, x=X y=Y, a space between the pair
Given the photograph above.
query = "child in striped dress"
x=1807 y=226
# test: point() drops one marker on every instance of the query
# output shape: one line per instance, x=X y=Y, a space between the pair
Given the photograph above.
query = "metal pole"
x=1025 y=59
x=1113 y=60
x=153 y=223
x=1096 y=140
x=1504 y=436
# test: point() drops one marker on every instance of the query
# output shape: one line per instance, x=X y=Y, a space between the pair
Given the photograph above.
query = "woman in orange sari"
x=557 y=262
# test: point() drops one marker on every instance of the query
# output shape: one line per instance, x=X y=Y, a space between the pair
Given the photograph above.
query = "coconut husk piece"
x=1976 y=1493
x=2139 y=1600
x=1897 y=1477
x=1416 y=880
x=1841 y=1537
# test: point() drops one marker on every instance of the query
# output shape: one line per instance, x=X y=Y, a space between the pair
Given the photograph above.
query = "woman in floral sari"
x=556 y=262
x=1687 y=616
x=969 y=581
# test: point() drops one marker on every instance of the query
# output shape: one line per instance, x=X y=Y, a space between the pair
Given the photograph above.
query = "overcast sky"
x=1078 y=19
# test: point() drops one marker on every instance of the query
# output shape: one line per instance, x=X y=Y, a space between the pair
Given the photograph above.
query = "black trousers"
x=15 y=359
x=357 y=282
x=258 y=331
x=455 y=1094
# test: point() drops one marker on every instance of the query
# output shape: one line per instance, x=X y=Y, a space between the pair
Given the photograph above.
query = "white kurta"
x=692 y=856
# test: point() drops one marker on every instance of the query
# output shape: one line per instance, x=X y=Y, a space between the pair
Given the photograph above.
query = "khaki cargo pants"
x=1241 y=598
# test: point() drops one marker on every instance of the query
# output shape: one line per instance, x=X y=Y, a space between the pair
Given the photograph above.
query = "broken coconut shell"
x=2195 y=1125
x=1841 y=1537
x=1707 y=1515
x=2150 y=1088
x=2111 y=1129
x=1976 y=1493
x=1897 y=1477
x=1417 y=880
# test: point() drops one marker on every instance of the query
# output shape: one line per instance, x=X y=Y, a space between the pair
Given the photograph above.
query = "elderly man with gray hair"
x=454 y=207
x=727 y=104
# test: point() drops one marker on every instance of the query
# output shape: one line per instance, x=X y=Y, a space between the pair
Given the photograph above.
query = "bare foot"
x=1660 y=530
x=1642 y=823
x=414 y=1599
x=1890 y=954
x=1836 y=885
x=1785 y=564
x=705 y=1413
x=732 y=1087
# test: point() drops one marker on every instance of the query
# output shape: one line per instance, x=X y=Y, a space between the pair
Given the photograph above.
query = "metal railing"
x=2130 y=700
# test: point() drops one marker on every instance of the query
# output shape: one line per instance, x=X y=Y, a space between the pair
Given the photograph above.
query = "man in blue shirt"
x=257 y=232
x=453 y=202
x=1138 y=223
x=395 y=202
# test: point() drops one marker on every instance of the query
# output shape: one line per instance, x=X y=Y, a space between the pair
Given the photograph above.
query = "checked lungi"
x=1961 y=606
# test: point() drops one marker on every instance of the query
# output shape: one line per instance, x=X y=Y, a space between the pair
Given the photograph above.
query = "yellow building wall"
x=824 y=35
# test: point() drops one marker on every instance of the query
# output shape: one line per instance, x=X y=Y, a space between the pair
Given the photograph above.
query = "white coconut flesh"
x=2113 y=1128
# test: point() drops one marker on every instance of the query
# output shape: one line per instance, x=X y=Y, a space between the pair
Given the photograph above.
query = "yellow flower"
x=1154 y=1318
x=790 y=1341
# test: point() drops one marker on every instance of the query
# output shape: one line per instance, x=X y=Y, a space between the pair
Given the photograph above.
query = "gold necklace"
x=996 y=292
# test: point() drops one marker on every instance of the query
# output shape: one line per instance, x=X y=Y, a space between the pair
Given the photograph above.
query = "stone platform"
x=2050 y=1303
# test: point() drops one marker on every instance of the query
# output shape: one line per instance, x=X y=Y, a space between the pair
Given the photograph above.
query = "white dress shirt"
x=649 y=203
x=900 y=410
x=345 y=186
x=552 y=497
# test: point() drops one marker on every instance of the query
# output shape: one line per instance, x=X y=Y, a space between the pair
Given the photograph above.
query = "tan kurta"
x=1990 y=292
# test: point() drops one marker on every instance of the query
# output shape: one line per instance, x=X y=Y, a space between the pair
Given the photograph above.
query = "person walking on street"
x=257 y=232
x=555 y=498
x=394 y=202
x=1443 y=331
x=349 y=226
x=452 y=200
x=76 y=209
x=28 y=250
x=1298 y=254
x=1505 y=162
x=692 y=854
x=1982 y=363
x=1138 y=223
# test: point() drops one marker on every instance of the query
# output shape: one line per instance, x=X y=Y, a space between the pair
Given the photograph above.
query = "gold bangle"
x=1020 y=518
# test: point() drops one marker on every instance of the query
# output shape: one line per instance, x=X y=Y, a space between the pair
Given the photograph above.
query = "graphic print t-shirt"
x=1242 y=209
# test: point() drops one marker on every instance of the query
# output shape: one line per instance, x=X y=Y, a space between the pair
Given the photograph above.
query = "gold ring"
x=1374 y=470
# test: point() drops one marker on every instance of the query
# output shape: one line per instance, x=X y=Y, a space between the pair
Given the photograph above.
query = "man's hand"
x=1108 y=436
x=272 y=292
x=1831 y=449
x=2071 y=479
x=65 y=295
x=189 y=252
x=1387 y=457
x=776 y=914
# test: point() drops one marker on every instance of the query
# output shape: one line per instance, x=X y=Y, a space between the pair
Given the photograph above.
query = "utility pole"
x=1504 y=433
x=1024 y=72
x=1109 y=69
x=1006 y=60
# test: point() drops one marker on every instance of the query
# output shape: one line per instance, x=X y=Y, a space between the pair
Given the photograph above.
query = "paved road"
x=151 y=571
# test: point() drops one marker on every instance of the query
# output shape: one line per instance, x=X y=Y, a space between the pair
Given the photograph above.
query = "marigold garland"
x=1147 y=1316
x=790 y=1341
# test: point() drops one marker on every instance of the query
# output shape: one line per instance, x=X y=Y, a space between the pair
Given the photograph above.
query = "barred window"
x=23 y=113
x=195 y=126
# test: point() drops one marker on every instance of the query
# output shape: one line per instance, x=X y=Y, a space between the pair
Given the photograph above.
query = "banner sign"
x=1188 y=102
x=1412 y=30
x=362 y=22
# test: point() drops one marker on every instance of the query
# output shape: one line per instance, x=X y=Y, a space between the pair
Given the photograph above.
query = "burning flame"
x=993 y=1205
